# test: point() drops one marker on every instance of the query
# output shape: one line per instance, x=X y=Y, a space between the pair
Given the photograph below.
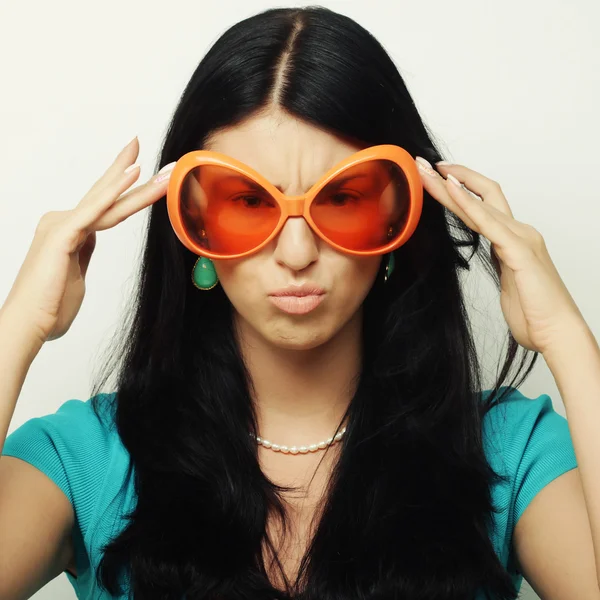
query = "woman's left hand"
x=535 y=302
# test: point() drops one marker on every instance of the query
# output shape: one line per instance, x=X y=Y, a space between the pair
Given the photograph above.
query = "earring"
x=390 y=266
x=204 y=276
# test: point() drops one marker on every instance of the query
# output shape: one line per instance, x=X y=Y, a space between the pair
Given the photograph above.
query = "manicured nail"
x=165 y=172
x=168 y=167
x=442 y=163
x=131 y=168
x=162 y=177
x=455 y=181
x=425 y=166
x=129 y=143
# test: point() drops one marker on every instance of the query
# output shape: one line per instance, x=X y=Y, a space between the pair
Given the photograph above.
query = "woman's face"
x=292 y=155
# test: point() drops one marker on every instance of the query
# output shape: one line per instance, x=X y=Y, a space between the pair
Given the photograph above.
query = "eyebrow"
x=253 y=185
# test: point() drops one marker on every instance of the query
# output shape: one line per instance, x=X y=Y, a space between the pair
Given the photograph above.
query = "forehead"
x=290 y=153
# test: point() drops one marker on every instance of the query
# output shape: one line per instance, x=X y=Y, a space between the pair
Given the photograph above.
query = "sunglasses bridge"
x=295 y=205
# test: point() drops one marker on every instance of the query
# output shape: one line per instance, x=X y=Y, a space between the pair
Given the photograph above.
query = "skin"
x=302 y=366
x=557 y=539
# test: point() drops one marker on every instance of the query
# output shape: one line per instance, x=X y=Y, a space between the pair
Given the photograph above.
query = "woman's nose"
x=297 y=246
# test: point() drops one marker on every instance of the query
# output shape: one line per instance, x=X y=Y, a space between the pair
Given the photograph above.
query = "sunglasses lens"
x=365 y=207
x=226 y=212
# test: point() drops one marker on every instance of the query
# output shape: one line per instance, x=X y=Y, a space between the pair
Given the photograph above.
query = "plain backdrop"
x=510 y=89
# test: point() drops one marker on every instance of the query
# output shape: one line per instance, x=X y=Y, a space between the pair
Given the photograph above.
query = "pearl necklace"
x=300 y=449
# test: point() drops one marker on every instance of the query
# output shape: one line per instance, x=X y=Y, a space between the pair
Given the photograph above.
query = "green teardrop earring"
x=204 y=276
x=390 y=266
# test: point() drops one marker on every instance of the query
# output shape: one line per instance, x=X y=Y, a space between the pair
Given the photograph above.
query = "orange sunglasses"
x=369 y=203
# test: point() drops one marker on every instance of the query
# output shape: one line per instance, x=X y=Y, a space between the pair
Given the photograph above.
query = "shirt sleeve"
x=547 y=451
x=68 y=446
x=530 y=444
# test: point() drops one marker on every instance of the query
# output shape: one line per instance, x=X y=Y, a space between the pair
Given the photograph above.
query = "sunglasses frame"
x=295 y=206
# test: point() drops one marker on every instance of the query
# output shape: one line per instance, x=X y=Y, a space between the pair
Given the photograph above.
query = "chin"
x=288 y=332
x=299 y=337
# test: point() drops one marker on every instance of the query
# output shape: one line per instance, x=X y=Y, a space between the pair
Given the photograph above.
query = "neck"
x=301 y=395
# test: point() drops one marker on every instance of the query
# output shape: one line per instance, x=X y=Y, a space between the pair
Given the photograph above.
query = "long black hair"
x=408 y=510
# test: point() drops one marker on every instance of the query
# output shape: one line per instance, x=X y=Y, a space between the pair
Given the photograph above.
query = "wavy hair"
x=408 y=509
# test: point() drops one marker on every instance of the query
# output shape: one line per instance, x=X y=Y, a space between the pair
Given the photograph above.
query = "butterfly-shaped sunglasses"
x=368 y=204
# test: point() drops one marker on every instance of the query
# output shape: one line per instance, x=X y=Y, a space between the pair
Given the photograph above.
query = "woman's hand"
x=535 y=301
x=49 y=288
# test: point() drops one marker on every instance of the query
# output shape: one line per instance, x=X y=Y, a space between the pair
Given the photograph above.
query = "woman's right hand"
x=50 y=285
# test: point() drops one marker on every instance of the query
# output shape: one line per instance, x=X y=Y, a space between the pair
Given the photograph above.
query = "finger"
x=434 y=183
x=84 y=215
x=489 y=190
x=500 y=229
x=472 y=205
x=132 y=202
x=114 y=173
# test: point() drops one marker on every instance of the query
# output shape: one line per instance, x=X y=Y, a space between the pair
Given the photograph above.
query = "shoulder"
x=519 y=427
x=79 y=448
x=79 y=430
x=529 y=444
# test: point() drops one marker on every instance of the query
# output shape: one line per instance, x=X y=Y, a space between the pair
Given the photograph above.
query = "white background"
x=510 y=88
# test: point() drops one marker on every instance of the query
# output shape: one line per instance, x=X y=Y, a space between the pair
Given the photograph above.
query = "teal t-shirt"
x=524 y=438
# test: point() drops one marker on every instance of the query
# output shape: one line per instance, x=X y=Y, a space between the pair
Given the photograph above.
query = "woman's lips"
x=297 y=305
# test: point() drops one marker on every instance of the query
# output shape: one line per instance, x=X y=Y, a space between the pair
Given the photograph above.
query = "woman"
x=310 y=423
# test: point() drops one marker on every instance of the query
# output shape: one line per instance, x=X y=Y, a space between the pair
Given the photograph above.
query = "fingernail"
x=165 y=172
x=131 y=168
x=425 y=166
x=162 y=177
x=442 y=163
x=168 y=167
x=129 y=143
x=455 y=181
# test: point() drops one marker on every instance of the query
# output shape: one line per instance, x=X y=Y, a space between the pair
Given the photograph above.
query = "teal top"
x=524 y=438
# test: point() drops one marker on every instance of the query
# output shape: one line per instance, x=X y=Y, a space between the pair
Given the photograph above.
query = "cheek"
x=239 y=280
x=355 y=279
